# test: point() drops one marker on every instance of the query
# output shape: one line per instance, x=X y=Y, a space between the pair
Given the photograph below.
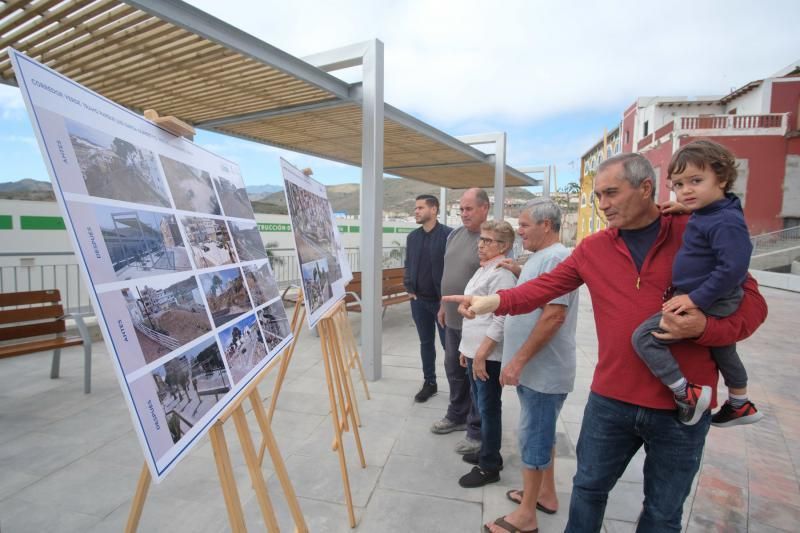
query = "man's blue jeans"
x=611 y=433
x=486 y=396
x=424 y=314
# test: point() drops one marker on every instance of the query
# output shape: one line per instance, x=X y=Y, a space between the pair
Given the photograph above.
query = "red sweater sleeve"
x=540 y=290
x=744 y=322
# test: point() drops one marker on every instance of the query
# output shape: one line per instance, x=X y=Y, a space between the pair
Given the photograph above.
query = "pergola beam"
x=205 y=25
x=269 y=113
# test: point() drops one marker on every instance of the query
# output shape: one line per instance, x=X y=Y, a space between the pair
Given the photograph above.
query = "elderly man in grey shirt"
x=460 y=263
x=539 y=359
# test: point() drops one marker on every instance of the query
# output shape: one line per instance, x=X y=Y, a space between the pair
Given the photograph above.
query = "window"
x=627 y=136
x=646 y=128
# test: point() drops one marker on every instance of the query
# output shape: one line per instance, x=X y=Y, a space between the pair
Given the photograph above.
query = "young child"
x=707 y=274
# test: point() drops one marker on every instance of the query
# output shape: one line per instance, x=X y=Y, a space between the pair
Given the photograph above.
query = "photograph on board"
x=226 y=294
x=274 y=324
x=189 y=385
x=316 y=284
x=209 y=241
x=191 y=187
x=166 y=315
x=141 y=243
x=248 y=241
x=261 y=283
x=312 y=223
x=233 y=197
x=243 y=346
x=115 y=168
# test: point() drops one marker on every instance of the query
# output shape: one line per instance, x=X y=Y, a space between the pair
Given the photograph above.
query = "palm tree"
x=274 y=260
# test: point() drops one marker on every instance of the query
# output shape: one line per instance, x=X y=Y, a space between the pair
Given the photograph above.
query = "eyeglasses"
x=487 y=241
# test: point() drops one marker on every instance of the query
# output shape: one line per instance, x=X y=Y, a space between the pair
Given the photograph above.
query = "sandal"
x=508 y=526
x=510 y=495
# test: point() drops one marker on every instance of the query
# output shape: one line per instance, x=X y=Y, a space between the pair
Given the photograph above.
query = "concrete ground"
x=70 y=462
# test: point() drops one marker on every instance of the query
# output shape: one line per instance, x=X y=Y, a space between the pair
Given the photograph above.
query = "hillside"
x=398 y=196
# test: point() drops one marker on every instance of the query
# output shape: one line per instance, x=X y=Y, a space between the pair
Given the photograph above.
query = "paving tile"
x=320 y=478
x=401 y=511
x=625 y=502
x=13 y=480
x=21 y=515
x=413 y=474
x=87 y=487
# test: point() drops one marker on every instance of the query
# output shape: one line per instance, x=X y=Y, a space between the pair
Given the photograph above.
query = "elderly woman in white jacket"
x=482 y=351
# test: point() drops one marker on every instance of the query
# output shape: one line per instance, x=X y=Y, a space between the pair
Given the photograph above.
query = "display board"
x=166 y=236
x=323 y=265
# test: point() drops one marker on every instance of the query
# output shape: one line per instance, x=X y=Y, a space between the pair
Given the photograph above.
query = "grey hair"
x=541 y=209
x=635 y=169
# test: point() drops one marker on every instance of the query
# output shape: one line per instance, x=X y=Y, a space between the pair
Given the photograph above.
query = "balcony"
x=773 y=121
x=720 y=126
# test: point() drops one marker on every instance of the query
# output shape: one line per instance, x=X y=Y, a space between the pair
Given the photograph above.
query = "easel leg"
x=256 y=475
x=346 y=358
x=345 y=388
x=227 y=481
x=138 y=500
x=277 y=462
x=351 y=340
x=297 y=324
x=326 y=337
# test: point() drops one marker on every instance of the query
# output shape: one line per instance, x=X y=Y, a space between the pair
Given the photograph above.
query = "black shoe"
x=472 y=458
x=691 y=408
x=427 y=390
x=729 y=416
x=478 y=478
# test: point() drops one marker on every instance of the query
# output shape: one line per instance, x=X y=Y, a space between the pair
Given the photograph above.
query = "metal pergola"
x=169 y=56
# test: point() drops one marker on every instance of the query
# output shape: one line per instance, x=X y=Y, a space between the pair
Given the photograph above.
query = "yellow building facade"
x=590 y=219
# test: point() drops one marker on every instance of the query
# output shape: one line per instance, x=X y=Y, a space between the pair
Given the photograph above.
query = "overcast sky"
x=550 y=74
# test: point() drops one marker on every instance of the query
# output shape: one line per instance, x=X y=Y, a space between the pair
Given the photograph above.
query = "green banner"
x=6 y=222
x=274 y=227
x=32 y=222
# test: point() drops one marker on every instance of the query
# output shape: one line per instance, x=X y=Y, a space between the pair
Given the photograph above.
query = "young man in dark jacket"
x=423 y=281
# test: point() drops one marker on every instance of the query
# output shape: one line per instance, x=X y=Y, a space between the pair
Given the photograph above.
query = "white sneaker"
x=468 y=445
x=445 y=425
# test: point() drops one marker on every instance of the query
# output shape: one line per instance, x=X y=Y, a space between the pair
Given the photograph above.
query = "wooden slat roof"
x=173 y=58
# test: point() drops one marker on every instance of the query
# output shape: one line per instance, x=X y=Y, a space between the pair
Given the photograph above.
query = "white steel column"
x=499 y=141
x=499 y=176
x=372 y=210
x=443 y=205
x=369 y=55
x=544 y=182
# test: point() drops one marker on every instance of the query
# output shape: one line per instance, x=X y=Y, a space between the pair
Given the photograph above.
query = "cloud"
x=518 y=61
x=18 y=139
x=11 y=104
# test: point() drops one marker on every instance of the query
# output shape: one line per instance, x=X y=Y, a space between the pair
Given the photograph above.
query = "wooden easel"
x=221 y=456
x=340 y=394
x=339 y=355
x=225 y=469
x=350 y=349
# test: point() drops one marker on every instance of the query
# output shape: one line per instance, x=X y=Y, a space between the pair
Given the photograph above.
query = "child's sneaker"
x=728 y=415
x=691 y=409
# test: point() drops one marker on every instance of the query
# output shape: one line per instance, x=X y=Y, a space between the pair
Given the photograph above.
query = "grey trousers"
x=656 y=354
x=461 y=409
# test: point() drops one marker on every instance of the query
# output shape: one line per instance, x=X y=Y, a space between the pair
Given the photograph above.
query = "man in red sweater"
x=626 y=269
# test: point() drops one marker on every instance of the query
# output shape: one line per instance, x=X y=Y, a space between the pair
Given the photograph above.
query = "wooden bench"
x=394 y=292
x=34 y=322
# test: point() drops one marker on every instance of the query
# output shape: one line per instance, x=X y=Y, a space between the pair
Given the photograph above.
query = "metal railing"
x=736 y=122
x=775 y=241
x=65 y=274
